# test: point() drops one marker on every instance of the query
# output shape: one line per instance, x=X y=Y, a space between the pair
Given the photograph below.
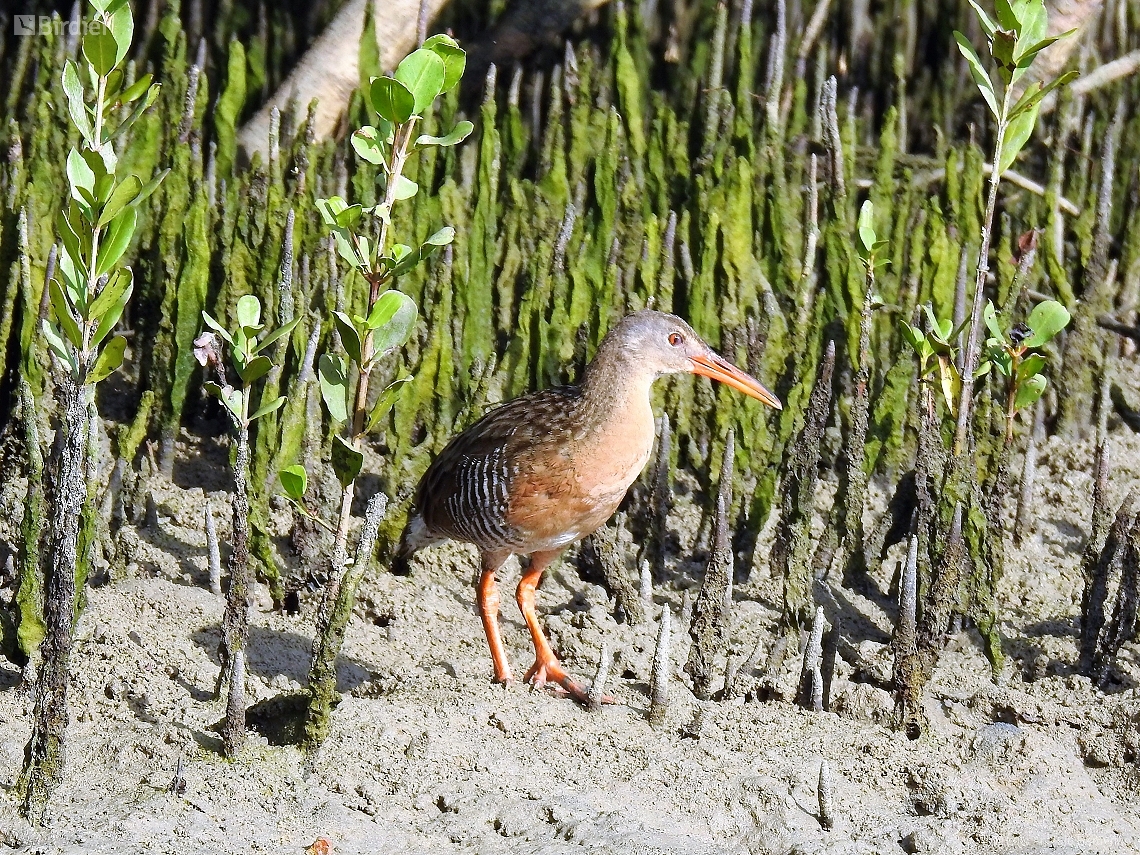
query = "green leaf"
x=1030 y=391
x=368 y=145
x=455 y=136
x=137 y=110
x=366 y=250
x=401 y=258
x=123 y=194
x=1007 y=18
x=346 y=461
x=218 y=328
x=109 y=360
x=57 y=346
x=282 y=330
x=1002 y=360
x=940 y=329
x=453 y=56
x=234 y=401
x=122 y=27
x=1035 y=93
x=385 y=402
x=1030 y=366
x=396 y=328
x=349 y=217
x=104 y=184
x=63 y=314
x=989 y=316
x=1046 y=320
x=978 y=72
x=441 y=238
x=329 y=208
x=74 y=279
x=1025 y=57
x=81 y=177
x=98 y=162
x=76 y=242
x=1002 y=46
x=1017 y=134
x=118 y=238
x=333 y=374
x=294 y=481
x=422 y=72
x=113 y=85
x=987 y=23
x=1034 y=21
x=248 y=311
x=266 y=409
x=391 y=99
x=405 y=188
x=115 y=311
x=866 y=226
x=346 y=250
x=75 y=104
x=912 y=336
x=100 y=50
x=149 y=188
x=253 y=370
x=116 y=290
x=135 y=91
x=349 y=336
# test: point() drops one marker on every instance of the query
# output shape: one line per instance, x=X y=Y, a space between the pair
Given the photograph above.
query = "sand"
x=426 y=755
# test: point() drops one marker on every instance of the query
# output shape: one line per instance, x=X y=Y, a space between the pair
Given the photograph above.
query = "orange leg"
x=546 y=668
x=488 y=599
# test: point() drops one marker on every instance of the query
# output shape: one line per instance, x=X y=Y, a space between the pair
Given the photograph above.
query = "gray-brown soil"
x=427 y=756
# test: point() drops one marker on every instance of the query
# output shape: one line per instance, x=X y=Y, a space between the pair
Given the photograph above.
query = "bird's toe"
x=550 y=674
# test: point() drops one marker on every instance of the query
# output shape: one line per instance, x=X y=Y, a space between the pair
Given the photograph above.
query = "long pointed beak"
x=720 y=369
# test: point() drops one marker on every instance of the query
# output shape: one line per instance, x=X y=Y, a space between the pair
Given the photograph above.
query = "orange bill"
x=721 y=369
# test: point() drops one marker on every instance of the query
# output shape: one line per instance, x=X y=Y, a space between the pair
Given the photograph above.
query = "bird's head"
x=660 y=343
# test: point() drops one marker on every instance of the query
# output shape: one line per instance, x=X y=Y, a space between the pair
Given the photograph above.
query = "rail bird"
x=542 y=471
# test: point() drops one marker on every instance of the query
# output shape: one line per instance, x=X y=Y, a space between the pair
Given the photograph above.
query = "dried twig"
x=829 y=119
x=607 y=548
x=213 y=553
x=659 y=688
x=709 y=628
x=810 y=669
x=660 y=499
x=595 y=695
x=826 y=800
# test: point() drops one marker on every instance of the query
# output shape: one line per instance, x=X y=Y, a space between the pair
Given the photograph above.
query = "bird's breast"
x=577 y=485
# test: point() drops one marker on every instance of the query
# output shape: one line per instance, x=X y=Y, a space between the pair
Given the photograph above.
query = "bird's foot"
x=549 y=673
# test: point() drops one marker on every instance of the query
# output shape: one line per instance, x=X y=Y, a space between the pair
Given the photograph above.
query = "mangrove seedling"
x=87 y=296
x=965 y=551
x=401 y=102
x=1011 y=356
x=1014 y=42
x=937 y=351
x=248 y=344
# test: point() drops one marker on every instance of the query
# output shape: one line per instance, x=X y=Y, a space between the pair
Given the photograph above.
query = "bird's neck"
x=614 y=390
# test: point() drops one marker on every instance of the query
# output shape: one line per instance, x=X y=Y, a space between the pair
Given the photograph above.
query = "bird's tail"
x=402 y=556
x=412 y=538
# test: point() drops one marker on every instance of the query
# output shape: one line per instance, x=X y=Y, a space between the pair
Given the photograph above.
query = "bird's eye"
x=676 y=339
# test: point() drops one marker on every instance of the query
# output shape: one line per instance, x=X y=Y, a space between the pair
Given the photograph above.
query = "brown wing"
x=466 y=492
